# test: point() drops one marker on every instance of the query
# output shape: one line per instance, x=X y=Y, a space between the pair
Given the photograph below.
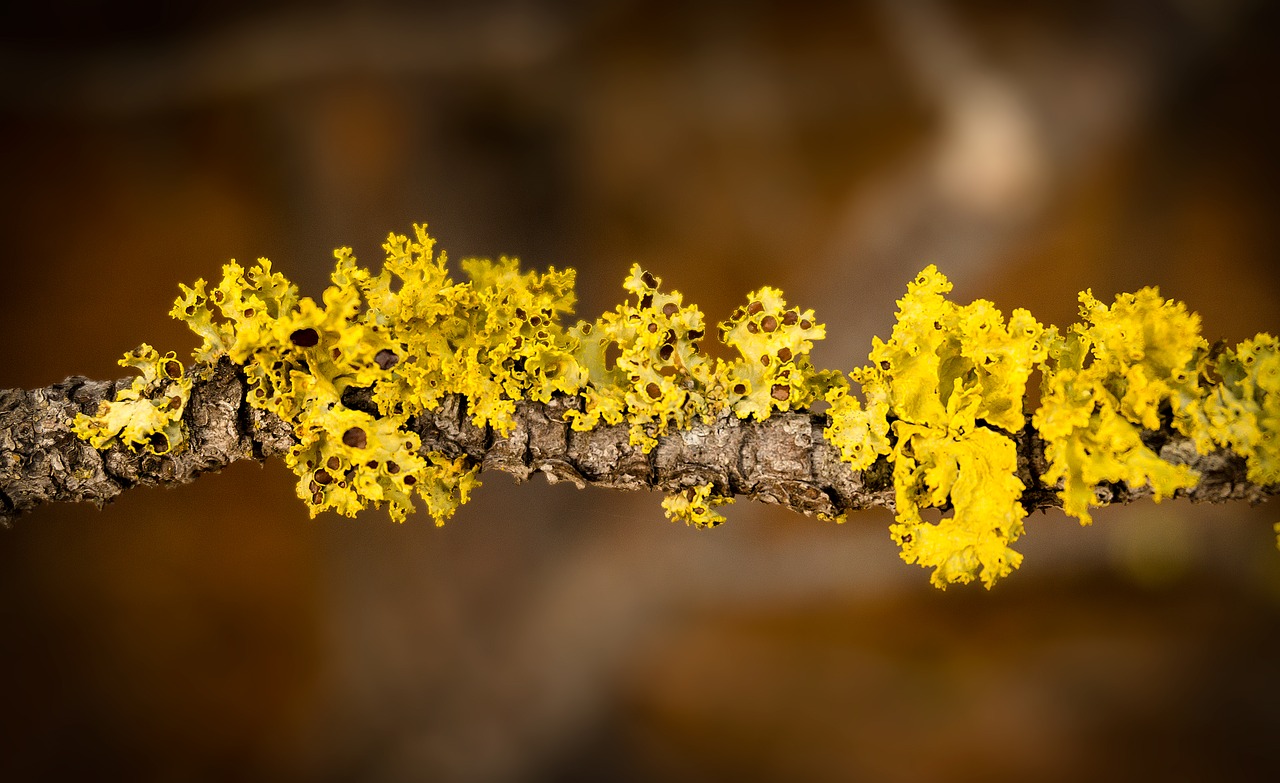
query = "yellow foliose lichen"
x=773 y=371
x=696 y=506
x=658 y=378
x=495 y=339
x=944 y=394
x=939 y=347
x=249 y=304
x=148 y=414
x=349 y=459
x=411 y=335
x=1243 y=411
x=942 y=399
x=977 y=475
x=860 y=433
x=1108 y=379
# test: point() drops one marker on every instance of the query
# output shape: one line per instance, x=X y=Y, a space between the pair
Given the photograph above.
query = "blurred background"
x=1029 y=149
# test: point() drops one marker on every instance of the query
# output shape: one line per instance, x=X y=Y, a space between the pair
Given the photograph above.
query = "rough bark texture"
x=782 y=460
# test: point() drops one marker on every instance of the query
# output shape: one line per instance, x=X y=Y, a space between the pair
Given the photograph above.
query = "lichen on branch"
x=942 y=403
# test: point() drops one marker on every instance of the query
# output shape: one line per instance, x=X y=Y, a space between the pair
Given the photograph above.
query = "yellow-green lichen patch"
x=943 y=399
x=248 y=304
x=495 y=339
x=860 y=433
x=1106 y=380
x=642 y=365
x=148 y=414
x=696 y=506
x=411 y=334
x=943 y=395
x=1243 y=411
x=773 y=370
x=348 y=459
x=976 y=474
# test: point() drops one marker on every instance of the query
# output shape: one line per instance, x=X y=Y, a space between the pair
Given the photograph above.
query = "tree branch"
x=783 y=460
x=42 y=460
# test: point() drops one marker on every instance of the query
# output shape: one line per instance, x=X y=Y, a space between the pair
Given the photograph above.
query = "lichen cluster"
x=945 y=394
x=943 y=400
x=148 y=414
x=1112 y=377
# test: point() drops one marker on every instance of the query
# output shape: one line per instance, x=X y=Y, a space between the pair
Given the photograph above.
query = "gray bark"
x=783 y=460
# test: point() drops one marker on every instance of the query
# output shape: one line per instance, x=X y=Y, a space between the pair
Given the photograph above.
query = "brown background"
x=1029 y=149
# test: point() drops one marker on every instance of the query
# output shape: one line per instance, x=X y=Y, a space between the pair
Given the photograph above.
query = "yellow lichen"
x=951 y=379
x=1242 y=413
x=773 y=370
x=695 y=506
x=1106 y=382
x=976 y=474
x=942 y=400
x=861 y=434
x=658 y=379
x=148 y=414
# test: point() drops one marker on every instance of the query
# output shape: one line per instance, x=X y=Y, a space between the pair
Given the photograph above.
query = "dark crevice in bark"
x=782 y=460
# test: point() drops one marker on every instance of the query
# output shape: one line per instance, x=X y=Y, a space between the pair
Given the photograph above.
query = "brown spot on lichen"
x=305 y=338
x=355 y=438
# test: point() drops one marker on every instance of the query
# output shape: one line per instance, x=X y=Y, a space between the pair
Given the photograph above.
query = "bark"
x=782 y=460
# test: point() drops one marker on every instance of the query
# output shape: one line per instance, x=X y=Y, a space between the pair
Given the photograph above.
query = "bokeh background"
x=1030 y=149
